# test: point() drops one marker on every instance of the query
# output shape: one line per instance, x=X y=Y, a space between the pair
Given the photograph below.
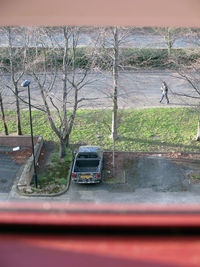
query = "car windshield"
x=89 y=155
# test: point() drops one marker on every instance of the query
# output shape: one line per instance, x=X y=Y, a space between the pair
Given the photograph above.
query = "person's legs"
x=167 y=98
x=162 y=98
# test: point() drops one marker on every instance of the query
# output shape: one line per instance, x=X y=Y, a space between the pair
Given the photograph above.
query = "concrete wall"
x=27 y=173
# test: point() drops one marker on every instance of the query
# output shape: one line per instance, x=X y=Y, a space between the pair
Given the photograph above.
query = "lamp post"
x=27 y=84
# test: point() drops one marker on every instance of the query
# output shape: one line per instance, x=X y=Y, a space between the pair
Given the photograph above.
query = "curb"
x=50 y=195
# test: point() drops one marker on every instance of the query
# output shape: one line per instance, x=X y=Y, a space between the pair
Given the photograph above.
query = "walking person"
x=164 y=89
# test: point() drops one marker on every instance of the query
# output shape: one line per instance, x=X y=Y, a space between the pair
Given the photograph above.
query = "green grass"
x=54 y=177
x=155 y=129
x=197 y=176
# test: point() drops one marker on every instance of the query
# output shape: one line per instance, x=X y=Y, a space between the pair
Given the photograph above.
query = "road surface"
x=136 y=89
x=134 y=40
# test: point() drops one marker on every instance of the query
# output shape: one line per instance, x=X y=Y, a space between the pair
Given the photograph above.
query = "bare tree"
x=16 y=67
x=192 y=36
x=191 y=74
x=112 y=38
x=170 y=35
x=66 y=101
x=3 y=118
x=115 y=83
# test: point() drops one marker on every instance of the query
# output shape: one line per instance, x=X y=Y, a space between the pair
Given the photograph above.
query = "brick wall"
x=14 y=141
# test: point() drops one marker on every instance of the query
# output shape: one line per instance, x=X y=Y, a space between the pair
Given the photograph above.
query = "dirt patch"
x=113 y=175
x=179 y=155
x=20 y=156
x=47 y=150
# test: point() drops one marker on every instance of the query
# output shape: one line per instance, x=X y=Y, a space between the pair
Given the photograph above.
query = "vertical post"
x=33 y=152
x=113 y=157
x=198 y=130
x=115 y=84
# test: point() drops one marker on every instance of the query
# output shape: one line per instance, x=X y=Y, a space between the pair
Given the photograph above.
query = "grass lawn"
x=53 y=177
x=155 y=129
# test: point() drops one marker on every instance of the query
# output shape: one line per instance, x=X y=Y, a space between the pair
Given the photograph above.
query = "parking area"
x=148 y=179
x=8 y=172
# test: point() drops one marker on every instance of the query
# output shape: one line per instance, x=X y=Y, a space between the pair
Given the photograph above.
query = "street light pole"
x=27 y=84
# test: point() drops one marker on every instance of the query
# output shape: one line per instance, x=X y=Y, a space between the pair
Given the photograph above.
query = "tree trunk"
x=67 y=140
x=3 y=116
x=115 y=84
x=114 y=122
x=198 y=131
x=113 y=158
x=14 y=82
x=169 y=42
x=65 y=73
x=19 y=130
x=62 y=149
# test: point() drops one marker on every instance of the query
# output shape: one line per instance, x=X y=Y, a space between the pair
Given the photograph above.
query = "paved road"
x=137 y=89
x=136 y=40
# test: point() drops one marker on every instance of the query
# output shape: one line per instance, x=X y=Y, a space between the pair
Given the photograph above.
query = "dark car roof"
x=93 y=149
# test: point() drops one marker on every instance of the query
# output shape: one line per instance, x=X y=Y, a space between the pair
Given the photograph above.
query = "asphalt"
x=148 y=180
x=136 y=89
x=159 y=174
x=8 y=171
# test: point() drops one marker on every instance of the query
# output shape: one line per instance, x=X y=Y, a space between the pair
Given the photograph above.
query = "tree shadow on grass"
x=159 y=143
x=182 y=105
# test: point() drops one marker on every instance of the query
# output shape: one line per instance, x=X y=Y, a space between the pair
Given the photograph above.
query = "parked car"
x=88 y=163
